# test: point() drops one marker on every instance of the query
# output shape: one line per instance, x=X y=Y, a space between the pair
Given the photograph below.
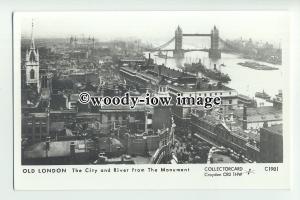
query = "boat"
x=212 y=74
x=256 y=66
x=262 y=95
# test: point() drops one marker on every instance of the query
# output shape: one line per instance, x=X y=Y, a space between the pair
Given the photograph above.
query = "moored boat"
x=262 y=95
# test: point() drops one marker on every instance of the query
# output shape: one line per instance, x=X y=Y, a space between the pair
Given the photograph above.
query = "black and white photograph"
x=143 y=88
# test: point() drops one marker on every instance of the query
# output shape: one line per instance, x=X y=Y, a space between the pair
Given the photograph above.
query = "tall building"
x=32 y=66
x=271 y=150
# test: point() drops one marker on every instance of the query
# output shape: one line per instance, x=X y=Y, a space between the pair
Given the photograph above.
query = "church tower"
x=32 y=66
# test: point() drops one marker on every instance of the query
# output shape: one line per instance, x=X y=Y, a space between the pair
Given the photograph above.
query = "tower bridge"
x=178 y=52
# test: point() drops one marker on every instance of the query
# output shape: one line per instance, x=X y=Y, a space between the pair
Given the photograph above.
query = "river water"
x=245 y=80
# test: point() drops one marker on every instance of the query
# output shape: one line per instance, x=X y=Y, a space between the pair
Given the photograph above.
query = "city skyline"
x=96 y=24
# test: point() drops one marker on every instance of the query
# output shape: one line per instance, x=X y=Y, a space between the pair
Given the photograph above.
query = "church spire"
x=32 y=66
x=32 y=46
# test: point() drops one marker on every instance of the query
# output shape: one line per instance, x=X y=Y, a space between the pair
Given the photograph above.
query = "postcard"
x=151 y=100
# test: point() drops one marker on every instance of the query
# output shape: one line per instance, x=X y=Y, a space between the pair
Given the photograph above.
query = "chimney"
x=219 y=85
x=146 y=124
x=149 y=60
x=96 y=144
x=245 y=117
x=231 y=117
x=72 y=149
x=159 y=69
x=265 y=125
x=47 y=146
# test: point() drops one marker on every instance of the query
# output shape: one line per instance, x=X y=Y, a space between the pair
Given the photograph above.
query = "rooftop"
x=193 y=87
x=265 y=113
x=74 y=97
x=178 y=80
x=57 y=149
x=276 y=129
x=39 y=115
x=233 y=126
x=221 y=158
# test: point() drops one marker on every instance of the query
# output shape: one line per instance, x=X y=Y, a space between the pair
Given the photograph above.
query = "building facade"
x=271 y=142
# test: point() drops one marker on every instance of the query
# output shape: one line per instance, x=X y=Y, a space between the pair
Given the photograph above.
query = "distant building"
x=35 y=126
x=111 y=118
x=254 y=118
x=277 y=101
x=72 y=102
x=143 y=144
x=106 y=60
x=57 y=152
x=271 y=144
x=132 y=61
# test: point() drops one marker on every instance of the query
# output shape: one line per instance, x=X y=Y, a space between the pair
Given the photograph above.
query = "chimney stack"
x=265 y=125
x=159 y=69
x=245 y=117
x=149 y=60
x=47 y=146
x=72 y=149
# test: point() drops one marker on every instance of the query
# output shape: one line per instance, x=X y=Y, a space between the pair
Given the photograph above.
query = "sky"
x=156 y=26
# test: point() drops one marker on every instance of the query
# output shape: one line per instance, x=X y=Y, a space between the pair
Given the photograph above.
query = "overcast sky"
x=158 y=25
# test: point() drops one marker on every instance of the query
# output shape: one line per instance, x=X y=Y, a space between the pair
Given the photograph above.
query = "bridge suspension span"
x=164 y=45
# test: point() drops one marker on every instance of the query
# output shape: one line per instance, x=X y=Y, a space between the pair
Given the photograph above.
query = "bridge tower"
x=214 y=51
x=178 y=52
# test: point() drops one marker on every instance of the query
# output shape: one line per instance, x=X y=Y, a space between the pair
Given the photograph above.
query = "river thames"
x=245 y=80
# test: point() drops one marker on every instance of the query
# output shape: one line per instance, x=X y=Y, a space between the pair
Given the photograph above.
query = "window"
x=31 y=74
x=230 y=101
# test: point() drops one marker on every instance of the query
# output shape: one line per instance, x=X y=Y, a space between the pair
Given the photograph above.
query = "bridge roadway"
x=197 y=34
x=185 y=50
